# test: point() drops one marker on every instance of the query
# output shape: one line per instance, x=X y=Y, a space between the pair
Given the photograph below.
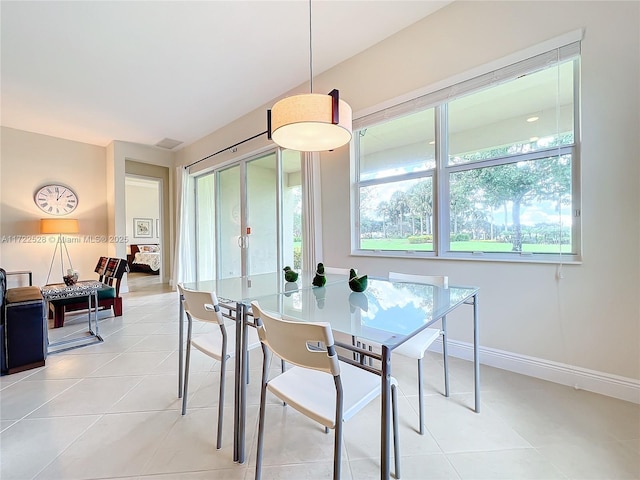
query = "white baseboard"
x=580 y=378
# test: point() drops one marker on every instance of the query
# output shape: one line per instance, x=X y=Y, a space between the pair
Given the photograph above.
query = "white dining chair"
x=319 y=385
x=219 y=345
x=417 y=346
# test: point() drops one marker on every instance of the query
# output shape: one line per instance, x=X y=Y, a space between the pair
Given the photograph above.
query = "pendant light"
x=310 y=122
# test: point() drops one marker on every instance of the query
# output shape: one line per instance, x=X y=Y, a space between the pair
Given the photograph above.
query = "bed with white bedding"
x=145 y=258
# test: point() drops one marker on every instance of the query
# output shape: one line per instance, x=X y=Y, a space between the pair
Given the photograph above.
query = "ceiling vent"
x=168 y=143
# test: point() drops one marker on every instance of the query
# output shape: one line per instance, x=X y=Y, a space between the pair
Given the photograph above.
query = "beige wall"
x=588 y=319
x=29 y=160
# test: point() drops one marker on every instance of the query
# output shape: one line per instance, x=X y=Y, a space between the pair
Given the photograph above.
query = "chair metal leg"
x=396 y=435
x=263 y=395
x=337 y=452
x=445 y=356
x=260 y=434
x=186 y=369
x=420 y=396
x=337 y=443
x=223 y=365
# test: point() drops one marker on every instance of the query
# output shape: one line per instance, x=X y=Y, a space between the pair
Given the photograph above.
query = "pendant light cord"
x=310 y=53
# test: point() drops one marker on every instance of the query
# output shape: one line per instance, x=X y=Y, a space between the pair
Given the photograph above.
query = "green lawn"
x=470 y=246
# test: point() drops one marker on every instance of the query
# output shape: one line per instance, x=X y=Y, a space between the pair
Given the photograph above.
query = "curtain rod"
x=225 y=149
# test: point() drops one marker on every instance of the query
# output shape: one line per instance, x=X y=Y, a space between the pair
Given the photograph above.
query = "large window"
x=487 y=168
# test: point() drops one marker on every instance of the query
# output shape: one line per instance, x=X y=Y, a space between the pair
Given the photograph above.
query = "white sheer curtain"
x=184 y=254
x=312 y=211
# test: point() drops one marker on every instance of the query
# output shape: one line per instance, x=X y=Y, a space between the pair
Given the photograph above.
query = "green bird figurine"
x=358 y=284
x=319 y=280
x=352 y=274
x=290 y=275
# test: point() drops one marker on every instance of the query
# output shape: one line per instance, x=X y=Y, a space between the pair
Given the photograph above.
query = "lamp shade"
x=59 y=225
x=304 y=123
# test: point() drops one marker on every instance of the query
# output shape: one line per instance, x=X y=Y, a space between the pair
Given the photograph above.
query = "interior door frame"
x=159 y=236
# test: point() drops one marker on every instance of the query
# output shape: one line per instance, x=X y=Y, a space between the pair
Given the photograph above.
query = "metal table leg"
x=237 y=415
x=93 y=335
x=243 y=383
x=385 y=435
x=476 y=353
x=95 y=315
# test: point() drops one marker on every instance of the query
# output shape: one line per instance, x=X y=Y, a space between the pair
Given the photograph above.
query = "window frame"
x=438 y=100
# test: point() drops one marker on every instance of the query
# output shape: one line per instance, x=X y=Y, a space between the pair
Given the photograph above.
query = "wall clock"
x=56 y=199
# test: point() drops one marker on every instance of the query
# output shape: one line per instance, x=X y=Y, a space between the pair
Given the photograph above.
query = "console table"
x=83 y=288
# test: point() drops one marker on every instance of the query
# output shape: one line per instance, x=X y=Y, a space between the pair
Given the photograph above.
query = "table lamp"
x=59 y=226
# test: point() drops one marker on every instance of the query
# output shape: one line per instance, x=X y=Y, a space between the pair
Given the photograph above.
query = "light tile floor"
x=111 y=411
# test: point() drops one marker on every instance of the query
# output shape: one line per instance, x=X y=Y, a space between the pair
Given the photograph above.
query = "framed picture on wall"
x=142 y=227
x=157 y=228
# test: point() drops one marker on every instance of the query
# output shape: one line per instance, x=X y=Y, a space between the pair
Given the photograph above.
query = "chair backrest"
x=438 y=280
x=337 y=270
x=201 y=305
x=111 y=269
x=297 y=342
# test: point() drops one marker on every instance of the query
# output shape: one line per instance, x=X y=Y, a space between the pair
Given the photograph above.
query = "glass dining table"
x=386 y=314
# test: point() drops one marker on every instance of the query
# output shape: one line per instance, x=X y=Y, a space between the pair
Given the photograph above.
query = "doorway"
x=144 y=227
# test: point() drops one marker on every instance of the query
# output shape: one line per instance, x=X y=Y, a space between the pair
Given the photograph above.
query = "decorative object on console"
x=290 y=275
x=71 y=277
x=56 y=199
x=319 y=280
x=59 y=226
x=310 y=122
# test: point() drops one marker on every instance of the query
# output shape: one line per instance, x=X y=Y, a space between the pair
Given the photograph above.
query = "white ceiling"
x=142 y=71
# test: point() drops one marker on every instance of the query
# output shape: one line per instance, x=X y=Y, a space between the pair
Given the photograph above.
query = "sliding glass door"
x=256 y=223
x=229 y=220
x=262 y=232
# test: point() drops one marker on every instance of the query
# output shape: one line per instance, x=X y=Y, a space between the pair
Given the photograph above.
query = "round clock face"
x=56 y=199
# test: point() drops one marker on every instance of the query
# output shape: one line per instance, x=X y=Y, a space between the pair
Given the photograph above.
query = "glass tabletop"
x=247 y=289
x=386 y=312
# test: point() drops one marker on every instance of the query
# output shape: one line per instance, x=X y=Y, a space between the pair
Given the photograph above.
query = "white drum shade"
x=304 y=123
